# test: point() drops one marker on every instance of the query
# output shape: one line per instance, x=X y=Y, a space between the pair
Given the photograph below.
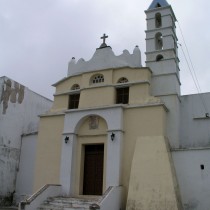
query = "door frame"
x=82 y=142
x=84 y=165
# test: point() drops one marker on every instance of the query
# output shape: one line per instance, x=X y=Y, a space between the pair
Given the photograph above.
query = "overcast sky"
x=39 y=37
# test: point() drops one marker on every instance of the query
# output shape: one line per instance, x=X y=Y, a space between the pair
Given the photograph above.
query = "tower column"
x=162 y=59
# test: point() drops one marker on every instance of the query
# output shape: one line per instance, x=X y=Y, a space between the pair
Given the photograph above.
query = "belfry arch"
x=158 y=20
x=159 y=41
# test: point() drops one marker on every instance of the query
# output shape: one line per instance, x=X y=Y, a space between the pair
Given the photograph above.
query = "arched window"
x=158 y=20
x=75 y=87
x=158 y=41
x=122 y=80
x=159 y=58
x=99 y=78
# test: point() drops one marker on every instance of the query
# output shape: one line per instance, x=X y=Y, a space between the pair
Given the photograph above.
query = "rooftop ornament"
x=104 y=40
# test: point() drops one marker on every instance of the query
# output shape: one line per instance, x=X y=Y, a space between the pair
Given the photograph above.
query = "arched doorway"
x=91 y=152
x=91 y=127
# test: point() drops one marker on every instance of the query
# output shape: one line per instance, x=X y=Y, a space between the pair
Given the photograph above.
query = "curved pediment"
x=104 y=58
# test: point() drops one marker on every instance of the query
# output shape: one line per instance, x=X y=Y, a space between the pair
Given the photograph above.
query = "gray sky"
x=39 y=37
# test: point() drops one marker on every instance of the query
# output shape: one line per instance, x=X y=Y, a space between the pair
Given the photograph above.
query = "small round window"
x=75 y=87
x=122 y=80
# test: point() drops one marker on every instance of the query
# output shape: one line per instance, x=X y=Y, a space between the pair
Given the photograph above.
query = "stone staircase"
x=70 y=203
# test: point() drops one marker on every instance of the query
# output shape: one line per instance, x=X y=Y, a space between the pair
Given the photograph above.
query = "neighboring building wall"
x=25 y=175
x=19 y=110
x=193 y=172
x=194 y=125
x=191 y=160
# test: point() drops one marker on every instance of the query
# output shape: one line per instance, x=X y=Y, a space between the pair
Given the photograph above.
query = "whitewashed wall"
x=25 y=175
x=19 y=110
x=194 y=183
x=194 y=125
x=194 y=152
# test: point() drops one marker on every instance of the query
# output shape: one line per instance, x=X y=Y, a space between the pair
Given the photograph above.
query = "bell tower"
x=162 y=59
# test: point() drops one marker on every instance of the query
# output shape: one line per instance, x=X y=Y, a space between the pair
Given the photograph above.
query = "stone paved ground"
x=8 y=208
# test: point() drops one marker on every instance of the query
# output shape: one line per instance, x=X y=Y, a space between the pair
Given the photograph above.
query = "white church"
x=118 y=135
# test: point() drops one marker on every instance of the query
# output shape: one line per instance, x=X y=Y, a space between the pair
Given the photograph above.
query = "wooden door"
x=93 y=169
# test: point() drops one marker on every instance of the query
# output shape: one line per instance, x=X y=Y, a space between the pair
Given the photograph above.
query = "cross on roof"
x=104 y=38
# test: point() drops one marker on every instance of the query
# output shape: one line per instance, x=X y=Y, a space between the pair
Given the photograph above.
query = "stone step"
x=49 y=207
x=61 y=207
x=52 y=207
x=68 y=203
x=76 y=199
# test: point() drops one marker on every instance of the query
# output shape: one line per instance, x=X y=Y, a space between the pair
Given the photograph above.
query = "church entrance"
x=93 y=169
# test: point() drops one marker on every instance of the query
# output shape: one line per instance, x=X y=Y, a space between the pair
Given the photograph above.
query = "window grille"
x=99 y=78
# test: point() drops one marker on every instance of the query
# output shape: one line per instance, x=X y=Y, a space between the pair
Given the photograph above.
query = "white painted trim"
x=114 y=119
x=101 y=86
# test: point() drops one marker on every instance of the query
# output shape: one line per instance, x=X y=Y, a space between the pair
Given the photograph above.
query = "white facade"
x=19 y=110
x=25 y=174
